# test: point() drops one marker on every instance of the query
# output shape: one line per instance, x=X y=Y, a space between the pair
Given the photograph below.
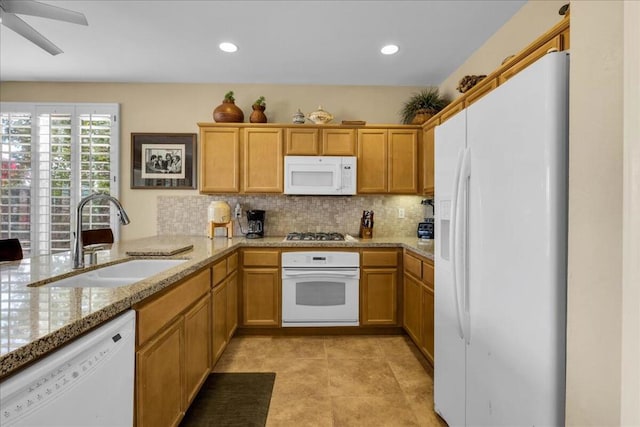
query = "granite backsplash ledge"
x=284 y=214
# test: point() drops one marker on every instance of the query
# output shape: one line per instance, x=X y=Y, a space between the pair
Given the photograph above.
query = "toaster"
x=425 y=229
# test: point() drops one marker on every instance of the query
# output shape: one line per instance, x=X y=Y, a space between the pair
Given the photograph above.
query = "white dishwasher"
x=88 y=382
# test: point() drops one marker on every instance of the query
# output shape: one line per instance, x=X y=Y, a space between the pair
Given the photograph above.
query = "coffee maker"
x=425 y=228
x=255 y=224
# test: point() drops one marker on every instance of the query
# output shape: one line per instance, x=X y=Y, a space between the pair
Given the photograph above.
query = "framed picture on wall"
x=163 y=160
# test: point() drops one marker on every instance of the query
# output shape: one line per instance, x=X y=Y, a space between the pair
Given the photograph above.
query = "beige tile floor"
x=339 y=380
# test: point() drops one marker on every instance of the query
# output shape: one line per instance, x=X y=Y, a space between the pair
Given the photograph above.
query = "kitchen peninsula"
x=42 y=319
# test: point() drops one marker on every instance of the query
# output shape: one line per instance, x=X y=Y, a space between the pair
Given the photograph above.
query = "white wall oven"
x=320 y=288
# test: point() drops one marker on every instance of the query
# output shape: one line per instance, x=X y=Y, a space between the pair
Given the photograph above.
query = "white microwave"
x=320 y=175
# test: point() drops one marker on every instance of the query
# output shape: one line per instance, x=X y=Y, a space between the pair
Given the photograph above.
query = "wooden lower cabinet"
x=197 y=326
x=412 y=307
x=379 y=287
x=159 y=372
x=173 y=350
x=219 y=320
x=261 y=297
x=260 y=288
x=232 y=304
x=419 y=300
x=224 y=302
x=378 y=296
x=428 y=323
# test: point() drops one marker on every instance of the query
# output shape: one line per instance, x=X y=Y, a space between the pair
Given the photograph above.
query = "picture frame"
x=163 y=161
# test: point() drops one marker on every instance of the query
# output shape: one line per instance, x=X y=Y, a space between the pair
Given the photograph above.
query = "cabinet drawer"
x=155 y=314
x=232 y=263
x=219 y=271
x=379 y=258
x=427 y=273
x=260 y=258
x=413 y=266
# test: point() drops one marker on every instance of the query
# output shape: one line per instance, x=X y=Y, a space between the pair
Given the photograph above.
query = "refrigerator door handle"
x=453 y=240
x=462 y=243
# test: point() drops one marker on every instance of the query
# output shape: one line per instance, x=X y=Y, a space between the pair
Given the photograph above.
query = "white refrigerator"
x=501 y=178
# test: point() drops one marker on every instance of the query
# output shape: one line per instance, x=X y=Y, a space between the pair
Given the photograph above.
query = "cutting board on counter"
x=167 y=249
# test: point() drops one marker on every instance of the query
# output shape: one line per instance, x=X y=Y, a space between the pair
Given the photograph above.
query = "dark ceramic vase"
x=228 y=112
x=257 y=116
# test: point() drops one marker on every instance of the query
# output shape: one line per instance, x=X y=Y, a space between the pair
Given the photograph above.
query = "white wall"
x=531 y=21
x=594 y=319
x=630 y=372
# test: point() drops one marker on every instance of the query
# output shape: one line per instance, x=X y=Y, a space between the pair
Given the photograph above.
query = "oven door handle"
x=316 y=273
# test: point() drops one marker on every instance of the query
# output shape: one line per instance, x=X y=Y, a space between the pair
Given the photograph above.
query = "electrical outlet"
x=400 y=212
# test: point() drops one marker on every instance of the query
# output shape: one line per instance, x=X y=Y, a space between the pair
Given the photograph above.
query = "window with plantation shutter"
x=52 y=156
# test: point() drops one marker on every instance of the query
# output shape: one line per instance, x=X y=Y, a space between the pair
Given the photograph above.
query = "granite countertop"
x=35 y=320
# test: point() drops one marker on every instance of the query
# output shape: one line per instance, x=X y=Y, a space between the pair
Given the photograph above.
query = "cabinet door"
x=372 y=161
x=260 y=297
x=338 y=142
x=232 y=304
x=159 y=372
x=378 y=296
x=197 y=330
x=302 y=142
x=220 y=160
x=263 y=160
x=412 y=308
x=219 y=317
x=426 y=344
x=427 y=158
x=403 y=161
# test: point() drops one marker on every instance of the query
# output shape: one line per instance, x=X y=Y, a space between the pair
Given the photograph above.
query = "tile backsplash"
x=284 y=214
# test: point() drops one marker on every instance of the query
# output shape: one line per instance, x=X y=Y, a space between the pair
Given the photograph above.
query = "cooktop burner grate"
x=315 y=236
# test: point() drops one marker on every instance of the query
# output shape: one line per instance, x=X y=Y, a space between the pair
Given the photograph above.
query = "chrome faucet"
x=78 y=247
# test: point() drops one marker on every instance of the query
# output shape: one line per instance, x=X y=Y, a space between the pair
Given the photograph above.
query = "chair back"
x=100 y=235
x=10 y=250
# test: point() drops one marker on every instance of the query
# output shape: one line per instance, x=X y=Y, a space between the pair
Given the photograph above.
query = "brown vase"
x=257 y=115
x=422 y=116
x=228 y=112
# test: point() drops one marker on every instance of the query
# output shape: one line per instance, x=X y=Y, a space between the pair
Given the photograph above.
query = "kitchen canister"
x=219 y=212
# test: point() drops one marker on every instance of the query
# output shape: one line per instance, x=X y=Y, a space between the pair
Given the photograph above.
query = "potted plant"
x=422 y=106
x=258 y=116
x=228 y=111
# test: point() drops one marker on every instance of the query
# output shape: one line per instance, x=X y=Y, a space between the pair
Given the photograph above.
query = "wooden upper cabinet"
x=320 y=142
x=480 y=90
x=427 y=156
x=302 y=141
x=553 y=44
x=263 y=160
x=338 y=142
x=403 y=161
x=372 y=161
x=388 y=161
x=219 y=160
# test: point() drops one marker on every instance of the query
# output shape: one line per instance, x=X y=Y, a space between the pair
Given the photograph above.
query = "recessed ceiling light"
x=228 y=47
x=389 y=49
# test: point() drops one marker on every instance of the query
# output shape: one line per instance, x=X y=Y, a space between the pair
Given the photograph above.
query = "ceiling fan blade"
x=28 y=32
x=34 y=8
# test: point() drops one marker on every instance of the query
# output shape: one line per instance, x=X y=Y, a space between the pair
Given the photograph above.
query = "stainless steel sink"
x=122 y=274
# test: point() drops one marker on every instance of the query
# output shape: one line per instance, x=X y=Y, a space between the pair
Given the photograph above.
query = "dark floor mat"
x=232 y=399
